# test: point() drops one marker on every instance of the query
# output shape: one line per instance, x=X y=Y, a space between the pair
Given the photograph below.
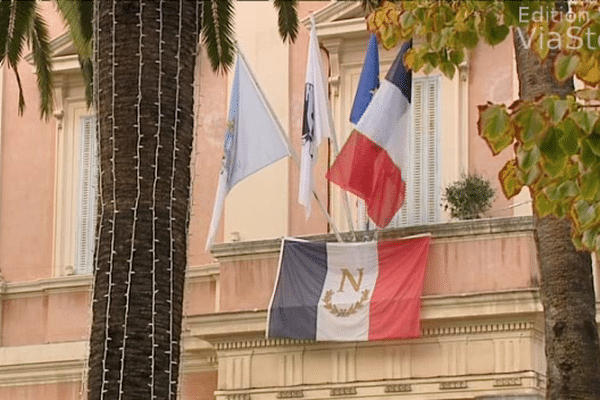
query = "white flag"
x=253 y=140
x=315 y=124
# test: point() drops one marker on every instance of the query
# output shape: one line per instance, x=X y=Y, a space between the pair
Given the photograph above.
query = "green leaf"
x=555 y=168
x=469 y=38
x=585 y=213
x=576 y=239
x=588 y=157
x=532 y=125
x=591 y=238
x=531 y=176
x=568 y=189
x=561 y=210
x=594 y=143
x=589 y=184
x=287 y=20
x=492 y=32
x=457 y=56
x=510 y=183
x=550 y=146
x=494 y=127
x=543 y=206
x=565 y=66
x=555 y=107
x=217 y=33
x=448 y=69
x=528 y=158
x=585 y=120
x=569 y=142
x=407 y=20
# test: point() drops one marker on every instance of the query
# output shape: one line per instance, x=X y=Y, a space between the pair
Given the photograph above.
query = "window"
x=76 y=167
x=76 y=189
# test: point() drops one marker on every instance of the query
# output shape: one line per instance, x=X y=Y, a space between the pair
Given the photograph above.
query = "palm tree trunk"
x=146 y=56
x=567 y=292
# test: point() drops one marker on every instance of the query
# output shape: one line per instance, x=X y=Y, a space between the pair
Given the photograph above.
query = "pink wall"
x=212 y=116
x=50 y=391
x=491 y=76
x=199 y=386
x=26 y=183
x=200 y=298
x=58 y=317
x=26 y=175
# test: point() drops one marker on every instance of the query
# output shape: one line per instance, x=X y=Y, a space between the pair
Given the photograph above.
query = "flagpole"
x=336 y=151
x=291 y=150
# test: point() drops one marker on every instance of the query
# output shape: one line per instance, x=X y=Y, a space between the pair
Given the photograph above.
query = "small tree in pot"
x=468 y=198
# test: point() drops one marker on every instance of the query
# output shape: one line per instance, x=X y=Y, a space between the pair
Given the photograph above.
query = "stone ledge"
x=515 y=310
x=489 y=226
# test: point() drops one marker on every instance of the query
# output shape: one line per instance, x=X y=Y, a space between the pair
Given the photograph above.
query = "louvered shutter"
x=87 y=193
x=422 y=203
x=422 y=190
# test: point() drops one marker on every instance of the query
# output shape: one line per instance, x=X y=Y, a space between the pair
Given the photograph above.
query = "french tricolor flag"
x=349 y=291
x=373 y=160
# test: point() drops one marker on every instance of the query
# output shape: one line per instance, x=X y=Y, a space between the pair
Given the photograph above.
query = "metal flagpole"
x=336 y=151
x=288 y=144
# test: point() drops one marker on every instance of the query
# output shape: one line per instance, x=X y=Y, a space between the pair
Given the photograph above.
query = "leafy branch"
x=556 y=141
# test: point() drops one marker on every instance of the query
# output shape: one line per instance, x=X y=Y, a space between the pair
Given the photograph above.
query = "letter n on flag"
x=349 y=291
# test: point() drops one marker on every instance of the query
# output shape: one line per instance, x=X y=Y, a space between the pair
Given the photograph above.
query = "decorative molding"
x=42 y=364
x=343 y=391
x=398 y=388
x=203 y=272
x=508 y=382
x=239 y=396
x=448 y=315
x=60 y=284
x=81 y=283
x=451 y=385
x=479 y=328
x=251 y=344
x=290 y=394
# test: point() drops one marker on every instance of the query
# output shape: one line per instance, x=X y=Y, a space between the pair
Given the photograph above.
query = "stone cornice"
x=82 y=283
x=71 y=283
x=515 y=310
x=531 y=383
x=43 y=363
x=488 y=226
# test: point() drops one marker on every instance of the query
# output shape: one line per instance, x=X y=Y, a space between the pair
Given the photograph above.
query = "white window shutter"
x=87 y=193
x=421 y=205
x=432 y=154
x=422 y=202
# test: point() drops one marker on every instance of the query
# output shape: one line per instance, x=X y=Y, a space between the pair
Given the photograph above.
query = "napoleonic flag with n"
x=349 y=291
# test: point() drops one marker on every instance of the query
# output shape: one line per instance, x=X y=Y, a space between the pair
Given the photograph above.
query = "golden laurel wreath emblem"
x=344 y=312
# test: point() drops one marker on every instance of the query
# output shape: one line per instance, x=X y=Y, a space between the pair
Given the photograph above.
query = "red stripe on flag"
x=396 y=301
x=365 y=169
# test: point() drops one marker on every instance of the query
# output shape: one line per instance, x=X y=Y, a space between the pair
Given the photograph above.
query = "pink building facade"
x=482 y=323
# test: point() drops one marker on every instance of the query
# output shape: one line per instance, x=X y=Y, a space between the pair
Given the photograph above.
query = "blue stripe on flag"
x=293 y=313
x=368 y=82
x=399 y=75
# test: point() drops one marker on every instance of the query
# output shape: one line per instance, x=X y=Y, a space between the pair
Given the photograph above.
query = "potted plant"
x=468 y=198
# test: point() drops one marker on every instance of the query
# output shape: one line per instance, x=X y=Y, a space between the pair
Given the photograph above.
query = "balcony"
x=482 y=324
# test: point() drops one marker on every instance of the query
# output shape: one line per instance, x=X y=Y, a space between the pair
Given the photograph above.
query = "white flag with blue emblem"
x=253 y=140
x=315 y=124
